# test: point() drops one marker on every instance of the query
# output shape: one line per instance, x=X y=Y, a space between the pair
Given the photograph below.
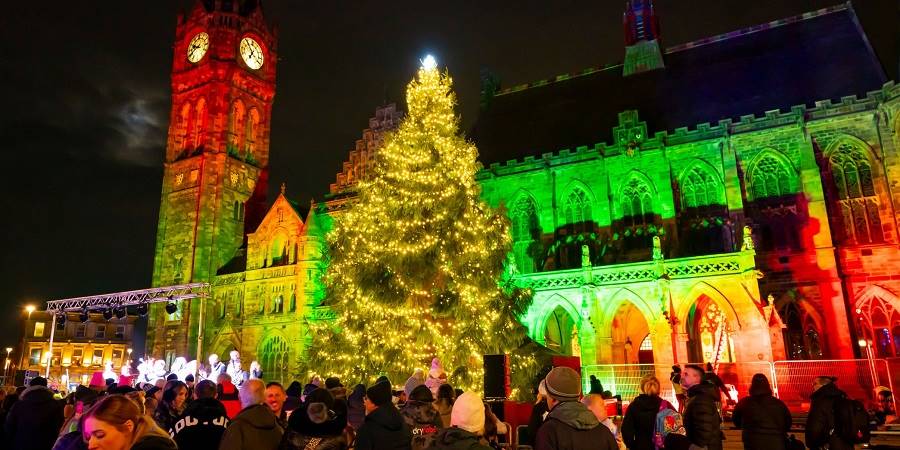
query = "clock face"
x=252 y=53
x=198 y=47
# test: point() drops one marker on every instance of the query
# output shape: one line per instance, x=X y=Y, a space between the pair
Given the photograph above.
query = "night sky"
x=85 y=93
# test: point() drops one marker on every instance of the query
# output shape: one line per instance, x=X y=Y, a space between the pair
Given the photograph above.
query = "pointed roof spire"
x=640 y=22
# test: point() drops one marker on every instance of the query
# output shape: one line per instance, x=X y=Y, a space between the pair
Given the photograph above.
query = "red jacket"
x=228 y=395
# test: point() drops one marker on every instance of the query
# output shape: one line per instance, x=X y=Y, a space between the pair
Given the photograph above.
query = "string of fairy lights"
x=415 y=261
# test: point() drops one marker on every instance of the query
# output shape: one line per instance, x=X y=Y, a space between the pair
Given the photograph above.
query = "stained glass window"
x=879 y=321
x=700 y=188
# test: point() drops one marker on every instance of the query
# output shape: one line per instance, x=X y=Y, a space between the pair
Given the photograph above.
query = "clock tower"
x=217 y=156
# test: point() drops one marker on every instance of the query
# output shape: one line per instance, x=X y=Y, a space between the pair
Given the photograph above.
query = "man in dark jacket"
x=467 y=421
x=34 y=421
x=384 y=428
x=203 y=422
x=422 y=418
x=570 y=425
x=255 y=426
x=820 y=421
x=701 y=414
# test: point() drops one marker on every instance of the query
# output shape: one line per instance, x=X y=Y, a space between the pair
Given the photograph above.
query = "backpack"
x=668 y=421
x=851 y=421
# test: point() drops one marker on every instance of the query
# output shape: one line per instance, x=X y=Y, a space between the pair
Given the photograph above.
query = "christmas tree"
x=417 y=261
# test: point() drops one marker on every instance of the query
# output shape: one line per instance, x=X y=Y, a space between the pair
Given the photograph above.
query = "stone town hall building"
x=728 y=199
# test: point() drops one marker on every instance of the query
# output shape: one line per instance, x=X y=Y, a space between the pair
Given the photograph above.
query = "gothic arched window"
x=801 y=336
x=700 y=188
x=278 y=304
x=637 y=202
x=855 y=190
x=577 y=209
x=199 y=124
x=525 y=230
x=771 y=177
x=181 y=127
x=273 y=358
x=236 y=124
x=878 y=323
x=251 y=131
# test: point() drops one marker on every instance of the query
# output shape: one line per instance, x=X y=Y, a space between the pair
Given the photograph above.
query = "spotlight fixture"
x=171 y=307
x=141 y=309
x=83 y=315
x=120 y=312
x=108 y=313
x=61 y=319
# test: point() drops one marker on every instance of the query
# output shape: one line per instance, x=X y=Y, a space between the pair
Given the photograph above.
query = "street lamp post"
x=6 y=366
x=29 y=309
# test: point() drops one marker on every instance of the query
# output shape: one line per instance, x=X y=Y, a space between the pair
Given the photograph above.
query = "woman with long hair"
x=444 y=403
x=764 y=419
x=116 y=423
x=174 y=400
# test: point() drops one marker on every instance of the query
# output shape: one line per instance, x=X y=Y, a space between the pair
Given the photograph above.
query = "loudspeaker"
x=496 y=377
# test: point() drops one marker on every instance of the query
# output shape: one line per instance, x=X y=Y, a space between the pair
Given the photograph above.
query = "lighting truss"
x=130 y=298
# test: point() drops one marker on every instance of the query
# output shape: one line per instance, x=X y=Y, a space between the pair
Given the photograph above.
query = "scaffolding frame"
x=114 y=300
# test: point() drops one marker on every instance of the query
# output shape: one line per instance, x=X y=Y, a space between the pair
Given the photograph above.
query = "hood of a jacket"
x=827 y=391
x=575 y=415
x=704 y=390
x=205 y=408
x=387 y=417
x=456 y=438
x=420 y=413
x=37 y=394
x=258 y=416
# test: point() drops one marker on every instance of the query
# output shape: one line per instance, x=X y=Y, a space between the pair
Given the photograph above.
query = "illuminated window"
x=81 y=330
x=100 y=333
x=117 y=357
x=278 y=305
x=858 y=204
x=274 y=358
x=525 y=230
x=98 y=357
x=120 y=332
x=34 y=357
x=293 y=305
x=878 y=322
x=646 y=344
x=577 y=209
x=801 y=338
x=38 y=329
x=76 y=356
x=637 y=202
x=771 y=177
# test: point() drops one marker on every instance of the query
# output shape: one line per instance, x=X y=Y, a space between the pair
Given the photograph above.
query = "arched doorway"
x=561 y=333
x=630 y=336
x=708 y=333
x=878 y=322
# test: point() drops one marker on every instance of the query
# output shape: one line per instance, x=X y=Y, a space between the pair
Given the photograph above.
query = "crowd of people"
x=426 y=413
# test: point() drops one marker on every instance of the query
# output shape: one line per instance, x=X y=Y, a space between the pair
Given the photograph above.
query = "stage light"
x=108 y=313
x=171 y=307
x=83 y=315
x=61 y=319
x=142 y=309
x=120 y=312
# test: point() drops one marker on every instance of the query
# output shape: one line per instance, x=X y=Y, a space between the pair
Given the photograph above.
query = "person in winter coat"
x=116 y=423
x=423 y=420
x=467 y=421
x=764 y=419
x=570 y=425
x=34 y=421
x=538 y=413
x=701 y=414
x=356 y=409
x=315 y=425
x=174 y=400
x=444 y=403
x=639 y=425
x=596 y=386
x=675 y=378
x=820 y=421
x=384 y=428
x=255 y=427
x=203 y=422
x=275 y=398
x=228 y=395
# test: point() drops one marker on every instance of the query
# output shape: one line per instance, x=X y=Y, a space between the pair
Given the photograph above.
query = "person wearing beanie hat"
x=317 y=420
x=383 y=427
x=417 y=379
x=570 y=425
x=466 y=425
x=423 y=419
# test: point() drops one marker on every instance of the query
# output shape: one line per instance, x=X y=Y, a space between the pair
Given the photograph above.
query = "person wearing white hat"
x=466 y=425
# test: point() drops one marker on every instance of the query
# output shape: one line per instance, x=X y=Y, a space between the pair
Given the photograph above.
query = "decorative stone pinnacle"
x=283 y=187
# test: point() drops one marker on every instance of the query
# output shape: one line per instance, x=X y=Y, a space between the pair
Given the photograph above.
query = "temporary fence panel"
x=794 y=379
x=625 y=379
